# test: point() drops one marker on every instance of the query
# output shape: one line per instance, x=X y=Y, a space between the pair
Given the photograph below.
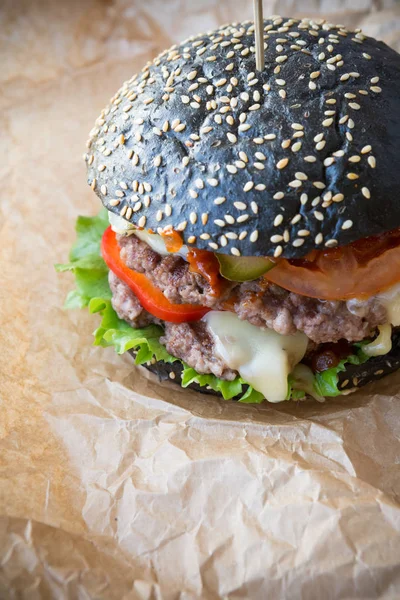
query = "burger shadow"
x=210 y=406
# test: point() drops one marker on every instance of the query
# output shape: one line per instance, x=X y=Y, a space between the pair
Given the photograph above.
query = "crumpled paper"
x=113 y=486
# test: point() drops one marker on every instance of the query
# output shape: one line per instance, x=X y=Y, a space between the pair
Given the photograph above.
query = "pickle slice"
x=243 y=268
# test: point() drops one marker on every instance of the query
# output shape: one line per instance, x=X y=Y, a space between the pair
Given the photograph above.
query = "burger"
x=249 y=243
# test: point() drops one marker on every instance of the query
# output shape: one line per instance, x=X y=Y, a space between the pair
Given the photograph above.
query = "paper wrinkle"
x=114 y=486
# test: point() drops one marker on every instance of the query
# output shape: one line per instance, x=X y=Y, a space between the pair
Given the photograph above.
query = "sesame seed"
x=310 y=159
x=372 y=162
x=282 y=94
x=296 y=146
x=352 y=176
x=376 y=89
x=101 y=168
x=319 y=238
x=270 y=136
x=327 y=122
x=338 y=198
x=220 y=222
x=297 y=242
x=278 y=251
x=260 y=156
x=231 y=137
x=114 y=202
x=329 y=161
x=281 y=164
x=355 y=159
x=295 y=183
x=235 y=251
x=347 y=224
x=278 y=220
x=321 y=145
x=193 y=194
x=119 y=194
x=295 y=219
x=180 y=127
x=142 y=221
x=297 y=126
x=181 y=226
x=318 y=215
x=366 y=149
x=103 y=190
x=259 y=166
x=213 y=182
x=244 y=156
x=278 y=196
x=192 y=75
x=248 y=186
x=276 y=239
x=375 y=80
x=354 y=105
x=254 y=236
x=366 y=193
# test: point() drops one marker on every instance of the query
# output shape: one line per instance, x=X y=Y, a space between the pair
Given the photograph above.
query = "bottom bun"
x=353 y=377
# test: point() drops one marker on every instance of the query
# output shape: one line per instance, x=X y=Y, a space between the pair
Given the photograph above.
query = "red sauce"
x=328 y=355
x=206 y=264
x=172 y=240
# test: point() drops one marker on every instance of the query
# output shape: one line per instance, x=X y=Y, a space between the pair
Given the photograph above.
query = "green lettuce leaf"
x=86 y=262
x=326 y=382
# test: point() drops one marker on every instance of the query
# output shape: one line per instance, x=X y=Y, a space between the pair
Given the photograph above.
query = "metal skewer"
x=259 y=34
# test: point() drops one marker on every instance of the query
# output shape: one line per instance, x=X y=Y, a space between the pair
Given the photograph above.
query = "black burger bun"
x=302 y=155
x=354 y=377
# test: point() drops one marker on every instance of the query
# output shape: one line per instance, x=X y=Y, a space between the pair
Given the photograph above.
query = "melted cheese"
x=263 y=357
x=382 y=344
x=155 y=241
x=391 y=301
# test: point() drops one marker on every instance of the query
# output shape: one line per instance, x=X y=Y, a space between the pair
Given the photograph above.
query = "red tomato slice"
x=358 y=270
x=150 y=296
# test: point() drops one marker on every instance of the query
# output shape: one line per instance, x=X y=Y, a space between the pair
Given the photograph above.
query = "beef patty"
x=262 y=304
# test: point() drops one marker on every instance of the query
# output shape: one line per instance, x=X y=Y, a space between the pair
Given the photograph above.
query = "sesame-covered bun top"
x=302 y=155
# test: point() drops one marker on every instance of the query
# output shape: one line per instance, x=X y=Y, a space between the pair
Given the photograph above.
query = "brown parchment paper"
x=112 y=486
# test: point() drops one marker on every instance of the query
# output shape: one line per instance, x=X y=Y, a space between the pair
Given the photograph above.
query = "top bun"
x=302 y=155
